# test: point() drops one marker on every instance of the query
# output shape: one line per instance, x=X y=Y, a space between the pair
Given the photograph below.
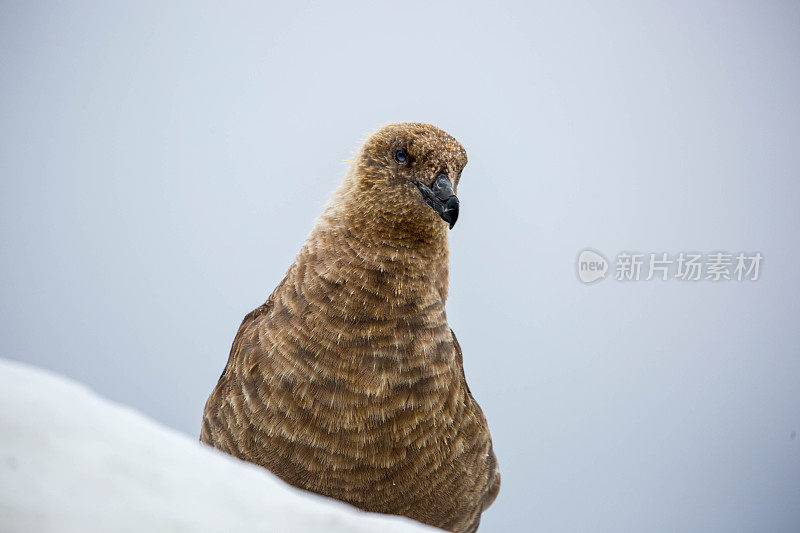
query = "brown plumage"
x=348 y=381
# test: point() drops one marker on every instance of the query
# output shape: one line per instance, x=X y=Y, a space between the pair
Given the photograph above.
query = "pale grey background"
x=162 y=163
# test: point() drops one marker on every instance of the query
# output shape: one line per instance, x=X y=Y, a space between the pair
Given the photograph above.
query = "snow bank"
x=72 y=461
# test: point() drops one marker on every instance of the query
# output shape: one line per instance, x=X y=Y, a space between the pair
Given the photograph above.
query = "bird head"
x=412 y=171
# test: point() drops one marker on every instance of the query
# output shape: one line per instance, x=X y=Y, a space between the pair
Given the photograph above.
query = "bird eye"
x=400 y=156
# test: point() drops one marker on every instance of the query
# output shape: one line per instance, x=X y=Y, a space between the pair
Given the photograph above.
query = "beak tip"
x=450 y=214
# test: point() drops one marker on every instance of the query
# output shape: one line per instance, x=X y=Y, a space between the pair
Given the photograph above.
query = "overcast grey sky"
x=162 y=163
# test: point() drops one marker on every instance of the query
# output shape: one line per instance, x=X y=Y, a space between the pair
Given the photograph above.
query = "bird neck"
x=409 y=264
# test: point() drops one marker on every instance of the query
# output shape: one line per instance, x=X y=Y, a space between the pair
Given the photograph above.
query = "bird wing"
x=213 y=417
x=493 y=477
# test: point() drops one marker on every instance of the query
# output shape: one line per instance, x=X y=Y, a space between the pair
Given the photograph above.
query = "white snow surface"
x=72 y=461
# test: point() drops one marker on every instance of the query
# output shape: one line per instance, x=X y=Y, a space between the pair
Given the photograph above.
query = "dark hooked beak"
x=441 y=197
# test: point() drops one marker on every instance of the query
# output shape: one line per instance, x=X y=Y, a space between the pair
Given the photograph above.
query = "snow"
x=72 y=461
